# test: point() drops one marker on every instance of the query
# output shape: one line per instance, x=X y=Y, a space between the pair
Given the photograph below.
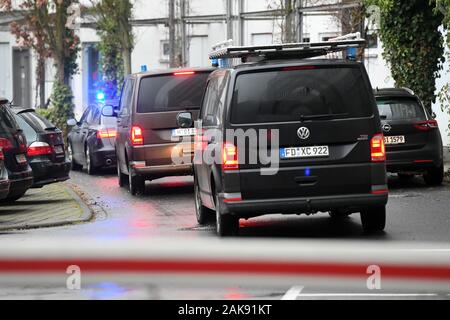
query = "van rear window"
x=171 y=93
x=401 y=109
x=292 y=94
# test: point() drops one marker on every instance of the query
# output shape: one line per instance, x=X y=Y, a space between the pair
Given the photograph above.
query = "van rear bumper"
x=254 y=208
x=154 y=172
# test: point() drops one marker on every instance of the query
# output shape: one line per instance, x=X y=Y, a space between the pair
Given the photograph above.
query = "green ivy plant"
x=413 y=45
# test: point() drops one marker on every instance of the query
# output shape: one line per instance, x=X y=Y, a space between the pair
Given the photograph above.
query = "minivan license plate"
x=394 y=140
x=21 y=158
x=184 y=132
x=305 y=152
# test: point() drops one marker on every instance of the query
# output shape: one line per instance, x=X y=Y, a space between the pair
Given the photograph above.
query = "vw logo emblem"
x=303 y=133
x=387 y=127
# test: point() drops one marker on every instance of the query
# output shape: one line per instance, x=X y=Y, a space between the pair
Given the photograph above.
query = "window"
x=28 y=131
x=372 y=41
x=214 y=99
x=401 y=109
x=288 y=94
x=165 y=50
x=126 y=98
x=171 y=93
x=85 y=115
x=37 y=120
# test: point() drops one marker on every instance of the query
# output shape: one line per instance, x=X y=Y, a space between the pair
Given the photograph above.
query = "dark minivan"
x=14 y=146
x=46 y=151
x=156 y=113
x=330 y=151
x=412 y=137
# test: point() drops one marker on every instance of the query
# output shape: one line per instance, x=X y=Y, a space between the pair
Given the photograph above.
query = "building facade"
x=199 y=25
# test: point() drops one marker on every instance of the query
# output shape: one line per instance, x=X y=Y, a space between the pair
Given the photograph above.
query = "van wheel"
x=122 y=178
x=434 y=177
x=136 y=183
x=374 y=219
x=74 y=166
x=227 y=225
x=204 y=215
x=91 y=169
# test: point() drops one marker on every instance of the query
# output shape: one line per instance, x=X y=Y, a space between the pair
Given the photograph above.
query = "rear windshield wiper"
x=323 y=116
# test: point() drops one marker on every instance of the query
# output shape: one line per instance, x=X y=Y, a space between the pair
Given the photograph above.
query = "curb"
x=87 y=215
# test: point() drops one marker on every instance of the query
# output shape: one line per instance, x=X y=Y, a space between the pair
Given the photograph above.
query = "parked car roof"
x=397 y=92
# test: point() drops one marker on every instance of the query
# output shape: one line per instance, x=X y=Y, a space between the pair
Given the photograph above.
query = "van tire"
x=434 y=177
x=227 y=225
x=136 y=183
x=374 y=219
x=204 y=215
x=122 y=178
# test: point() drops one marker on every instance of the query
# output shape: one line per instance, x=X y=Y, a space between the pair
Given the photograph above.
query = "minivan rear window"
x=296 y=93
x=401 y=109
x=171 y=92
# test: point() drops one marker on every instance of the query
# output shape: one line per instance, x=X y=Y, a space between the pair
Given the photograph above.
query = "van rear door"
x=326 y=118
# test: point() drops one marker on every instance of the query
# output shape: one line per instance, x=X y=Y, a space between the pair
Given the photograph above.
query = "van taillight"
x=137 y=137
x=39 y=149
x=427 y=125
x=230 y=157
x=378 y=149
x=106 y=133
x=184 y=73
x=5 y=144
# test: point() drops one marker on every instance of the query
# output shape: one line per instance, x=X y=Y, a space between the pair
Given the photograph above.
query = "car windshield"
x=401 y=109
x=303 y=93
x=171 y=93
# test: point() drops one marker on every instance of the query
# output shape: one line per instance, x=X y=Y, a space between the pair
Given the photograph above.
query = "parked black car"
x=14 y=146
x=412 y=137
x=331 y=147
x=46 y=151
x=91 y=142
x=4 y=181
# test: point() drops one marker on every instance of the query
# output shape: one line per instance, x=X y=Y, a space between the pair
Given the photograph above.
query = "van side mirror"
x=72 y=122
x=109 y=111
x=184 y=120
x=3 y=101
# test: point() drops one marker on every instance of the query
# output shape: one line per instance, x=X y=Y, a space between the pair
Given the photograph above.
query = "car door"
x=124 y=122
x=77 y=146
x=209 y=135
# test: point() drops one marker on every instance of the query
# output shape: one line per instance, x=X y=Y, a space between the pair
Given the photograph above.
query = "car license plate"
x=59 y=149
x=184 y=132
x=305 y=152
x=394 y=140
x=21 y=158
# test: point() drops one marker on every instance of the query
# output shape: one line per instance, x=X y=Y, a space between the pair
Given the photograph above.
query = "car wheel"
x=13 y=198
x=434 y=177
x=122 y=178
x=91 y=169
x=374 y=219
x=75 y=166
x=136 y=183
x=227 y=225
x=204 y=215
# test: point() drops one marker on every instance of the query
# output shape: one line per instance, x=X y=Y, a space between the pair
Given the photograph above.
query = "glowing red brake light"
x=137 y=137
x=427 y=125
x=106 y=133
x=230 y=157
x=378 y=149
x=184 y=73
x=39 y=149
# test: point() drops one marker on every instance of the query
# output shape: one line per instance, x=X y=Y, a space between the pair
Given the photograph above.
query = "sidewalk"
x=52 y=206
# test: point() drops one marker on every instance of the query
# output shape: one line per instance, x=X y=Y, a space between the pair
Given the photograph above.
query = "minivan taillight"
x=6 y=144
x=427 y=125
x=377 y=148
x=39 y=149
x=106 y=133
x=137 y=137
x=230 y=157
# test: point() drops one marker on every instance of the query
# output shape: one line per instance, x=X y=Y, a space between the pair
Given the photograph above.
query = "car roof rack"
x=304 y=50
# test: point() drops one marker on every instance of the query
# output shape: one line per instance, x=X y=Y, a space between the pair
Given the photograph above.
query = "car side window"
x=95 y=116
x=85 y=116
x=126 y=98
x=213 y=101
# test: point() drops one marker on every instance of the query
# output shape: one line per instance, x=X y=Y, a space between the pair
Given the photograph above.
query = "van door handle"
x=306 y=181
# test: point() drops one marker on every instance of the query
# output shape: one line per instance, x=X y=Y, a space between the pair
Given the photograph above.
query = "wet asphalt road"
x=416 y=213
